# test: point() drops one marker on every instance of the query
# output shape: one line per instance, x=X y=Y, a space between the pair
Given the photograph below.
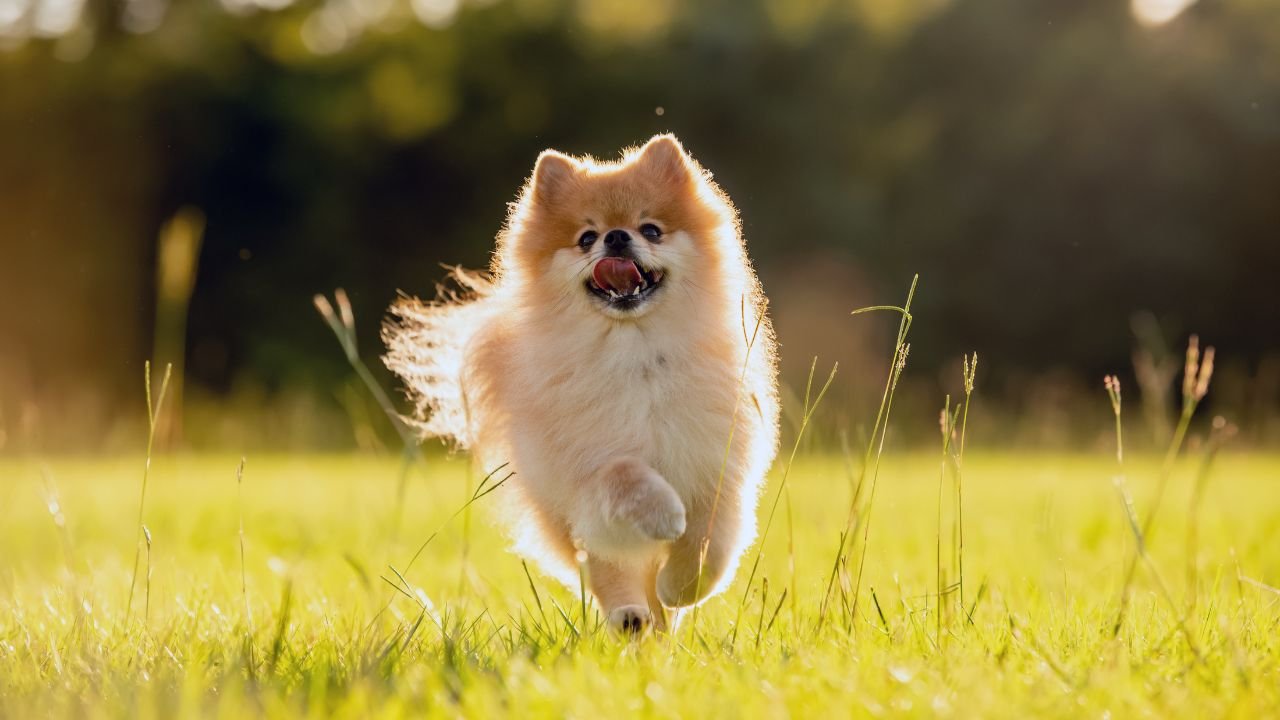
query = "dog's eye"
x=651 y=232
x=587 y=238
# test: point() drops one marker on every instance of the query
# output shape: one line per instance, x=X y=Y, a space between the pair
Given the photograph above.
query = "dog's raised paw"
x=631 y=620
x=665 y=521
x=646 y=503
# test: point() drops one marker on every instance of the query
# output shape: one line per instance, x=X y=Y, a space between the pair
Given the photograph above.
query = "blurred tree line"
x=1049 y=167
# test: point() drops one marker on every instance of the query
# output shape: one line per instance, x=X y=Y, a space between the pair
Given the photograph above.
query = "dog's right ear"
x=553 y=172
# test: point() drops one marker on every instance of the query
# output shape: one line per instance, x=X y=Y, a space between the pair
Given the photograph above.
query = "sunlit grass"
x=1043 y=533
x=353 y=585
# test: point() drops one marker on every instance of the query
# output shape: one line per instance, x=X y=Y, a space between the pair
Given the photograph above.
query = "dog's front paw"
x=664 y=520
x=638 y=505
x=654 y=509
x=631 y=619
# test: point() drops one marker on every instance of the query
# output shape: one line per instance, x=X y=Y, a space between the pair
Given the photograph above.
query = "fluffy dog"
x=619 y=358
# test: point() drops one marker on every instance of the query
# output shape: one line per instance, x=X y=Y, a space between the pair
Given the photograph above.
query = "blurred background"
x=1079 y=183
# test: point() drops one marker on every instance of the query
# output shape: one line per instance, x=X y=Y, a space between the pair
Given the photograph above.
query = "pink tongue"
x=617 y=274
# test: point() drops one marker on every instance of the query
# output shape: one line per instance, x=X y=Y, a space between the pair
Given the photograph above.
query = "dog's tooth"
x=635 y=291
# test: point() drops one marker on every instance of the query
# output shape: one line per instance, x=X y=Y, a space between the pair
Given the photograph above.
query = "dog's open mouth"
x=623 y=282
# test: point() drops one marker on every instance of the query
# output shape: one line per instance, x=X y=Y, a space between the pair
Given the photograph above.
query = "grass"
x=301 y=623
x=321 y=586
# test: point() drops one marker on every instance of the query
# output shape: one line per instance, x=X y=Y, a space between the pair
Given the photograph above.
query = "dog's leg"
x=662 y=621
x=624 y=591
x=625 y=510
x=692 y=573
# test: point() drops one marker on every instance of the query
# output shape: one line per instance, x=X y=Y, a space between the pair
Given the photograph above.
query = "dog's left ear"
x=664 y=156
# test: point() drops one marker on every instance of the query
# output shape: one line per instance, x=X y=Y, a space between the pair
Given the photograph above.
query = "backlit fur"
x=616 y=423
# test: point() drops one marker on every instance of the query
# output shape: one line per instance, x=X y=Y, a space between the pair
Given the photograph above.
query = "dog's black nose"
x=616 y=240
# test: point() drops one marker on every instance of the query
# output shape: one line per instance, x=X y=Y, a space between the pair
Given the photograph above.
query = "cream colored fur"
x=618 y=426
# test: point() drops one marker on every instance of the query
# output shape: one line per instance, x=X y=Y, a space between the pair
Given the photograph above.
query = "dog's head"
x=619 y=237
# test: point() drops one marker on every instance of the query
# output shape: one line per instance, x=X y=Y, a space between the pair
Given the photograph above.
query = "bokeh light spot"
x=436 y=13
x=1158 y=12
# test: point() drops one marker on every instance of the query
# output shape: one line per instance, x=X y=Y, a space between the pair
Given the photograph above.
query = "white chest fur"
x=603 y=391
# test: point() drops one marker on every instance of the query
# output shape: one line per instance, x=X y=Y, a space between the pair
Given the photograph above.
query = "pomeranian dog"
x=618 y=358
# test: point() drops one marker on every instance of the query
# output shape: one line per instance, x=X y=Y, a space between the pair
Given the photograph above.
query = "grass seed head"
x=1112 y=384
x=1205 y=374
x=344 y=310
x=1191 y=369
x=970 y=370
x=325 y=308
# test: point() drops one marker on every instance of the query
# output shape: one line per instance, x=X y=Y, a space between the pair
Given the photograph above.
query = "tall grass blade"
x=154 y=406
x=859 y=515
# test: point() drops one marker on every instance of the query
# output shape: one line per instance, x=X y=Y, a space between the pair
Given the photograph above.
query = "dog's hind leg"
x=700 y=559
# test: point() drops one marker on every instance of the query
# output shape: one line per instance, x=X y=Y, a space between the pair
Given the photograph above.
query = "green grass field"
x=317 y=631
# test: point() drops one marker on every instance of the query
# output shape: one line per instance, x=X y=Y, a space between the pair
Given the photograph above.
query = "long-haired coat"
x=619 y=358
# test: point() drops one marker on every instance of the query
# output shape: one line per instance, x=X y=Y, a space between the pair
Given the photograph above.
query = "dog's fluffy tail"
x=426 y=346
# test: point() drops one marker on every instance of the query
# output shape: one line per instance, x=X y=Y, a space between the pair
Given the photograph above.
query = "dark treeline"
x=1049 y=168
